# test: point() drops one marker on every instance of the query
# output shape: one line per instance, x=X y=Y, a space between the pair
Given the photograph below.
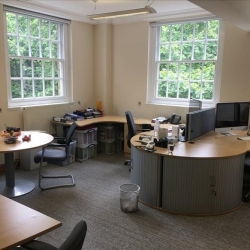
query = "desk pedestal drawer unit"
x=198 y=186
x=146 y=169
x=203 y=178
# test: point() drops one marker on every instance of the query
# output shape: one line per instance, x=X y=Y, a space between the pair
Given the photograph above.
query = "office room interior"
x=109 y=62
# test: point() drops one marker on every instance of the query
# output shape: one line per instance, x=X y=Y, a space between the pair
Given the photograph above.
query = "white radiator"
x=40 y=117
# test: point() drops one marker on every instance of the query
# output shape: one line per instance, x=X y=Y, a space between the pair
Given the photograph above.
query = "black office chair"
x=131 y=131
x=73 y=242
x=55 y=152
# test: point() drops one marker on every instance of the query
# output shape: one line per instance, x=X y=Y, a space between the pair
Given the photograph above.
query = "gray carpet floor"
x=96 y=199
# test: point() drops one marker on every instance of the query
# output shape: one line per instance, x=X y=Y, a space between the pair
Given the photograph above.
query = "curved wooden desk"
x=12 y=187
x=203 y=178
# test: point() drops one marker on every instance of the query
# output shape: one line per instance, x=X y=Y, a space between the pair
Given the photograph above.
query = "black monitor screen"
x=232 y=115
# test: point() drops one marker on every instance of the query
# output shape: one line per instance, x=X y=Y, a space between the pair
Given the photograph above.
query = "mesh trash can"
x=129 y=196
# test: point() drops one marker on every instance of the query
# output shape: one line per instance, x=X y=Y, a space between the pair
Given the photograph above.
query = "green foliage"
x=35 y=64
x=188 y=54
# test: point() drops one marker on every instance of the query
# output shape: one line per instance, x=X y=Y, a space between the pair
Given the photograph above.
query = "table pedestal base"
x=20 y=188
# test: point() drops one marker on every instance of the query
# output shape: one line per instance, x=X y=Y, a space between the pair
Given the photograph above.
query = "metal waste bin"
x=129 y=196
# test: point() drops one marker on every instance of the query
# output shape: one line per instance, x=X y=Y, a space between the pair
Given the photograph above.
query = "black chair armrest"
x=56 y=145
x=59 y=138
x=37 y=245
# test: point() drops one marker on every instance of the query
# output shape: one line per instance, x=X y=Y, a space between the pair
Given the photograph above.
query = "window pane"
x=187 y=49
x=56 y=69
x=35 y=47
x=163 y=71
x=47 y=69
x=188 y=31
x=22 y=25
x=208 y=71
x=11 y=23
x=172 y=89
x=183 y=89
x=45 y=49
x=195 y=90
x=207 y=90
x=196 y=71
x=164 y=53
x=16 y=89
x=57 y=88
x=162 y=89
x=34 y=27
x=54 y=31
x=38 y=88
x=176 y=32
x=175 y=51
x=12 y=42
x=186 y=56
x=27 y=68
x=54 y=50
x=200 y=29
x=27 y=87
x=44 y=29
x=173 y=71
x=24 y=46
x=184 y=71
x=198 y=50
x=38 y=68
x=213 y=29
x=48 y=88
x=165 y=34
x=15 y=67
x=211 y=51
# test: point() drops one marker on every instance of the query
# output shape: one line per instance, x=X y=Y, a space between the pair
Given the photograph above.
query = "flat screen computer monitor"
x=232 y=115
x=194 y=105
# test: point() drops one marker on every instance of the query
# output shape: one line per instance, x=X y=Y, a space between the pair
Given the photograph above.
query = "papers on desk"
x=245 y=138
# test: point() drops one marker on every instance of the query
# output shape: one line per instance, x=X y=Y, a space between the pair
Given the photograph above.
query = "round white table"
x=12 y=187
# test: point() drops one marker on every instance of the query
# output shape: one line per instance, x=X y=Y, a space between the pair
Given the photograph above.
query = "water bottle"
x=156 y=128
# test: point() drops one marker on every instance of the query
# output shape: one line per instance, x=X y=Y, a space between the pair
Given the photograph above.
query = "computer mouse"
x=248 y=133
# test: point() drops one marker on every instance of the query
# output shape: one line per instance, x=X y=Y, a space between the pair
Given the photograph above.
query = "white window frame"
x=152 y=67
x=66 y=83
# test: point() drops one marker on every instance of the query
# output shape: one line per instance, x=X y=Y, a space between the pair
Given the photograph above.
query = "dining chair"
x=55 y=152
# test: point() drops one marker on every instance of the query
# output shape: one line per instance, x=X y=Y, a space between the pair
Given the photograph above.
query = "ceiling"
x=234 y=11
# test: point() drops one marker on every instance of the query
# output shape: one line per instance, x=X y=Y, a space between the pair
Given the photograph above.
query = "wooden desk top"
x=110 y=118
x=210 y=145
x=37 y=140
x=20 y=224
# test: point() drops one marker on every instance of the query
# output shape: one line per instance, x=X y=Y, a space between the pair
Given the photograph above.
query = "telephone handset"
x=175 y=119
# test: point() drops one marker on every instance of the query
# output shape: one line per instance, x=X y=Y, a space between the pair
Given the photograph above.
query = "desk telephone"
x=175 y=119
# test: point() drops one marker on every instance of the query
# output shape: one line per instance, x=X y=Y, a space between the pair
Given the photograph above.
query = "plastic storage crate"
x=84 y=152
x=108 y=133
x=109 y=148
x=71 y=155
x=85 y=137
